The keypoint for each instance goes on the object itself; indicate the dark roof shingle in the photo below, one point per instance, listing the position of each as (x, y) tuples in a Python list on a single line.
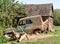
[(39, 9)]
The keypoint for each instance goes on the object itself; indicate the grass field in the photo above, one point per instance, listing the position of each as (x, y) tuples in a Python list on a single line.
[(49, 40)]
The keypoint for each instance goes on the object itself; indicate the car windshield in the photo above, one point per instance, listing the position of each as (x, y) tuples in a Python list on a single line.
[(23, 22)]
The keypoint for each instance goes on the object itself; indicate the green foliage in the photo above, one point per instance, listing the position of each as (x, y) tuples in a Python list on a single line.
[(1, 31), (8, 10), (2, 39), (57, 17)]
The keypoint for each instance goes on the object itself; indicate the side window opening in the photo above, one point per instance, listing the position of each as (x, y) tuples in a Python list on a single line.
[(21, 23), (28, 21)]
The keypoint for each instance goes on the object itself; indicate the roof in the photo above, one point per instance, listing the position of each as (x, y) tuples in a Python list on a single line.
[(39, 9)]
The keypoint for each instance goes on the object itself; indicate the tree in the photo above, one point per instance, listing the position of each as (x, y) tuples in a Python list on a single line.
[(56, 17), (8, 10)]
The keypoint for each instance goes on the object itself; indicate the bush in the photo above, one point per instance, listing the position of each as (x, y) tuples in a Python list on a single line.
[(1, 31), (57, 17), (3, 39)]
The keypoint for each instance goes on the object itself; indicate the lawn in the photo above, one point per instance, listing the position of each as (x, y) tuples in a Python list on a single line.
[(57, 27), (49, 40)]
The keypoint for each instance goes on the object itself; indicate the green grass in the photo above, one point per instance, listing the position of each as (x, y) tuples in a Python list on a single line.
[(57, 27), (50, 40)]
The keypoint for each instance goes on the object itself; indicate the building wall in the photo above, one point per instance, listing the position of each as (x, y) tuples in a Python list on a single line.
[(51, 26)]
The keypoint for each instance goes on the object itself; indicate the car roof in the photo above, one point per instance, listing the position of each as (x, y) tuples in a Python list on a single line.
[(30, 17)]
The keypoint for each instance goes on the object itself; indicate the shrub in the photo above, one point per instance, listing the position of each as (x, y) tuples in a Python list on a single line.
[(3, 39)]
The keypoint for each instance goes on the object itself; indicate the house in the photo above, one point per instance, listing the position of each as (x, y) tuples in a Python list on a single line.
[(45, 10)]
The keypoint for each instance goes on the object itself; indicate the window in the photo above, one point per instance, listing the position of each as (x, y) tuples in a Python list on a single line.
[(28, 21)]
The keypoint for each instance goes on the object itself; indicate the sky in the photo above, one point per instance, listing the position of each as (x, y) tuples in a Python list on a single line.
[(56, 3)]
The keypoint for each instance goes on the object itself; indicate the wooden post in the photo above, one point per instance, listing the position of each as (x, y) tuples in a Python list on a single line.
[(51, 27)]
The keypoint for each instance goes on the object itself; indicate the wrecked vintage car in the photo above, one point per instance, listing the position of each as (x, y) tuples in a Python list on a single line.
[(31, 24), (27, 25)]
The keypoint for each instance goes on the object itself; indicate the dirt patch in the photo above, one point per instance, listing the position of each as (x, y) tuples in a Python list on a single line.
[(34, 37)]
